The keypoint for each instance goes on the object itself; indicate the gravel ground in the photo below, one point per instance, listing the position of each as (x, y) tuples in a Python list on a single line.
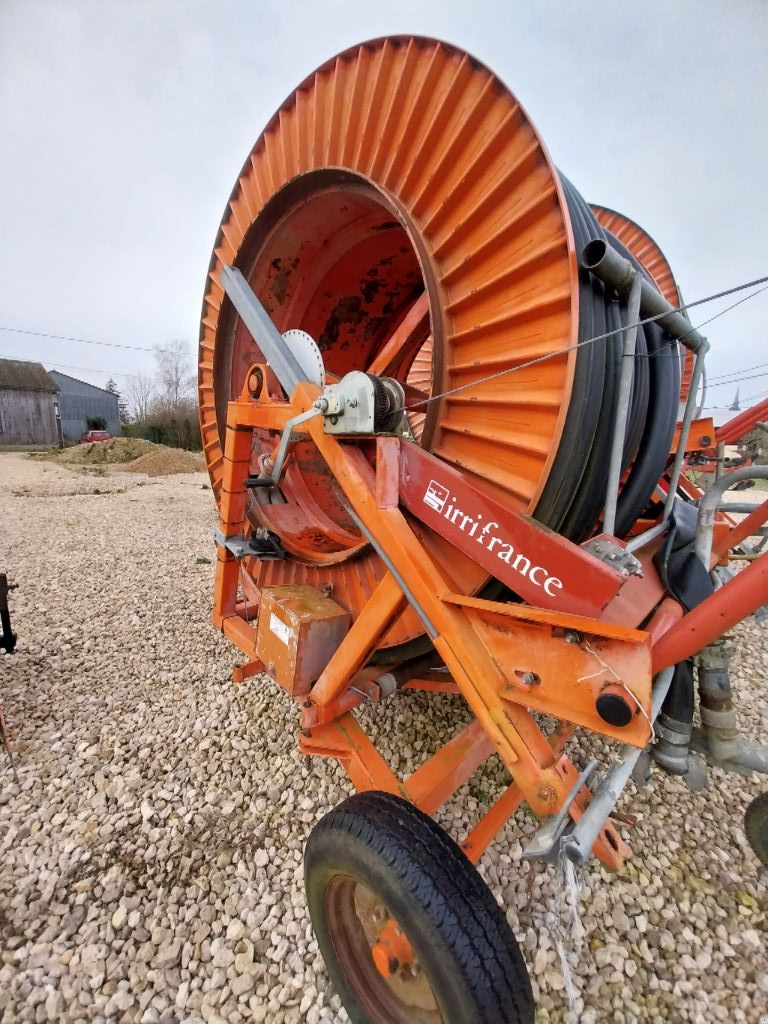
[(151, 851)]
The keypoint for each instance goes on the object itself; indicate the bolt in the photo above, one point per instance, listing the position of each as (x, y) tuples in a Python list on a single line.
[(530, 678), (352, 403), (572, 637), (378, 914)]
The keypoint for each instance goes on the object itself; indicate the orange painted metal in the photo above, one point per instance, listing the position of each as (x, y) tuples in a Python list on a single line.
[(392, 950), (401, 174), (344, 740), (748, 527), (740, 425), (471, 654), (563, 665), (731, 603), (299, 629), (543, 568), (701, 436), (385, 605), (480, 837), (440, 776)]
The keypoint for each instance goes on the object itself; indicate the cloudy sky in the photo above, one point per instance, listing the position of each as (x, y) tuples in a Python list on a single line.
[(123, 127)]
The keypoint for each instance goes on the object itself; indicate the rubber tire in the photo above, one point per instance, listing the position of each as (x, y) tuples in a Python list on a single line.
[(458, 932), (756, 827)]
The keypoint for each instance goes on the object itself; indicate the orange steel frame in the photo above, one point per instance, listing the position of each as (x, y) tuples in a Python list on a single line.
[(505, 659)]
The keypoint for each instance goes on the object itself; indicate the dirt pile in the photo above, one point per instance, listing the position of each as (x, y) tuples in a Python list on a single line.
[(117, 451), (162, 461)]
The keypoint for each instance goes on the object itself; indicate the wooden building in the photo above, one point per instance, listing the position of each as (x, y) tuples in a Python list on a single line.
[(28, 404)]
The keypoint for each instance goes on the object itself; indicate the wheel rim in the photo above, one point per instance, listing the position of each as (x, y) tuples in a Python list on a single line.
[(356, 918)]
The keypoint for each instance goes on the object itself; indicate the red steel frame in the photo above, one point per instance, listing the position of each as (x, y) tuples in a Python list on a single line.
[(555, 654)]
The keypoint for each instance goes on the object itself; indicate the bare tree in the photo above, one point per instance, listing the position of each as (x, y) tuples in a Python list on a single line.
[(140, 393), (175, 376)]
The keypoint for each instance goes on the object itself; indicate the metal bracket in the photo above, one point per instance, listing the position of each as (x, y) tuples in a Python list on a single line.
[(613, 554), (261, 544), (545, 845)]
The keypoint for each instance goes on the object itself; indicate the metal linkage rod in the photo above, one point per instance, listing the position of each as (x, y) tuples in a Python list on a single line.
[(578, 844), (263, 330)]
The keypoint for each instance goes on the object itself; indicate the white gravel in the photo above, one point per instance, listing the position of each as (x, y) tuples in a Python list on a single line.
[(151, 853)]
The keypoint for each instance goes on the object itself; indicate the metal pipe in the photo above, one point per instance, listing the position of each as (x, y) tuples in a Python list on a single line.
[(602, 260), (263, 330), (647, 535), (734, 601), (577, 844), (739, 508), (709, 503), (719, 460), (685, 428), (622, 407)]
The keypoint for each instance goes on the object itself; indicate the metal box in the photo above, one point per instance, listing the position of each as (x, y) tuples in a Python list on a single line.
[(298, 631)]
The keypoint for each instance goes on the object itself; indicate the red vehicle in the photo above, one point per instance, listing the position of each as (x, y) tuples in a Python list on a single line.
[(95, 435)]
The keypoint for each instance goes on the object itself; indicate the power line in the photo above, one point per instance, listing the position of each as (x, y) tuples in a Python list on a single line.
[(737, 380), (83, 341), (746, 369)]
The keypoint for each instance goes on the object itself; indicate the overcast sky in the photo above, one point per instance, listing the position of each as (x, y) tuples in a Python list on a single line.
[(123, 126)]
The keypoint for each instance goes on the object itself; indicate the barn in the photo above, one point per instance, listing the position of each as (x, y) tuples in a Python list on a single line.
[(28, 404), (80, 402)]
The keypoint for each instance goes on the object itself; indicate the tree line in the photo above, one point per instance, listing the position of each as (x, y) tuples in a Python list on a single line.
[(163, 408)]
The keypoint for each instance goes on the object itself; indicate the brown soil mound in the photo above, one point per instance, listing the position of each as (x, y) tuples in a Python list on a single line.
[(116, 451), (165, 461)]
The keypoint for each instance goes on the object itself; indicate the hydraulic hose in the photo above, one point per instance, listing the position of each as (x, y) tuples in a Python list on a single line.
[(575, 493)]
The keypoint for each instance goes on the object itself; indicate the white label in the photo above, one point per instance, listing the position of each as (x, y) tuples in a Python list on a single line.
[(280, 629), (436, 496)]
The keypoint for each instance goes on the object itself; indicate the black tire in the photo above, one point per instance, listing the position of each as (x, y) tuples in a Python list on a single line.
[(460, 937), (756, 827)]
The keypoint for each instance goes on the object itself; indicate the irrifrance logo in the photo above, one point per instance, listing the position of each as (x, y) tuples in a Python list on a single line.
[(440, 500)]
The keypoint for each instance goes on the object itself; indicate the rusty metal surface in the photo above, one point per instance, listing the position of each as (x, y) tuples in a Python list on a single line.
[(298, 631)]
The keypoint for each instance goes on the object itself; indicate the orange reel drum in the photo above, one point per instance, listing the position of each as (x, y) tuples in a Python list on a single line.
[(400, 167)]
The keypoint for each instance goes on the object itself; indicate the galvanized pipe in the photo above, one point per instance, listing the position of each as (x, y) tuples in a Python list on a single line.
[(577, 844), (623, 403), (708, 506), (685, 428), (602, 260)]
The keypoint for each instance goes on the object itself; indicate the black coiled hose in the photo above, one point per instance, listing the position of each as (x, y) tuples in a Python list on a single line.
[(573, 498)]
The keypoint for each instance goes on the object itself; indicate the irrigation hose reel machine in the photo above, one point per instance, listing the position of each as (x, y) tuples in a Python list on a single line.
[(439, 401)]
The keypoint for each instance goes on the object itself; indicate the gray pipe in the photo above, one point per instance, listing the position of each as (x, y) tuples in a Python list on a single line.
[(622, 406), (602, 260), (708, 506)]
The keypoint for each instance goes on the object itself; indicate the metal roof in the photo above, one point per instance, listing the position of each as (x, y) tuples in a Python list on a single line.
[(19, 375)]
